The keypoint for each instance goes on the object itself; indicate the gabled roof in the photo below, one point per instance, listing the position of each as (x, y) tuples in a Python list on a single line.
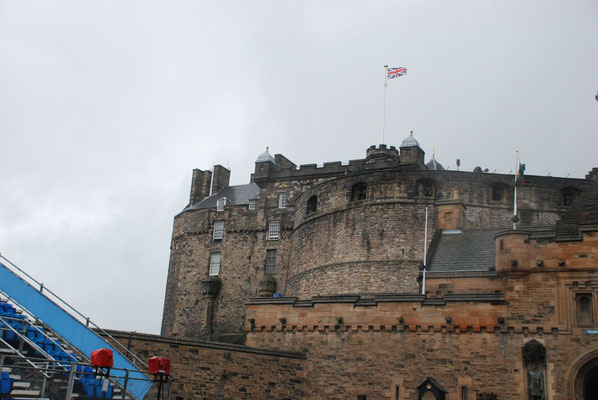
[(235, 195)]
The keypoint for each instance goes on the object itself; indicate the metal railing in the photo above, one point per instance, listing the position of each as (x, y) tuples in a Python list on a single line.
[(77, 315), (70, 379)]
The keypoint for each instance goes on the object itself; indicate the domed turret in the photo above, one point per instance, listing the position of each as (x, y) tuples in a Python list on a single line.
[(266, 156), (412, 155), (434, 165), (410, 141)]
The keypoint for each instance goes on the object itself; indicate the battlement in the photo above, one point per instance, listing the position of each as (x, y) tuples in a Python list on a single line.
[(381, 150)]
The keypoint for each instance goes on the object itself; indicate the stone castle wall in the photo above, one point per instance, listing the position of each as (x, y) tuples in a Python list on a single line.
[(369, 246), (219, 371)]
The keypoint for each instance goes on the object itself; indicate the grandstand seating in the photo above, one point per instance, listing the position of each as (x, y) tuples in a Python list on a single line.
[(38, 343)]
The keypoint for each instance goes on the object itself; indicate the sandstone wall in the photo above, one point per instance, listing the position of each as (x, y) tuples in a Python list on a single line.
[(219, 371)]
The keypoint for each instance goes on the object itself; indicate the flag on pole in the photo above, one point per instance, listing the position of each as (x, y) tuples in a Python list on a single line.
[(395, 72), (519, 175)]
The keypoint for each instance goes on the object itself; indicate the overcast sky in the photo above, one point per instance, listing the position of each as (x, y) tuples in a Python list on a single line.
[(107, 106)]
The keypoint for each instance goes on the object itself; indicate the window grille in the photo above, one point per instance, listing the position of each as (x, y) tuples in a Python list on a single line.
[(271, 261), (218, 230), (215, 259), (282, 200), (251, 205), (273, 230), (220, 203)]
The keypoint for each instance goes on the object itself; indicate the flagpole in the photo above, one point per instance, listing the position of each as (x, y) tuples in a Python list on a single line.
[(515, 195), (384, 109)]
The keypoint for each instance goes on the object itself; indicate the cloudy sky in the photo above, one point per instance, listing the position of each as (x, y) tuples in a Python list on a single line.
[(107, 106)]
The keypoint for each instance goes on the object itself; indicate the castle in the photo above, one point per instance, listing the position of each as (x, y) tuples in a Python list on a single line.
[(393, 278)]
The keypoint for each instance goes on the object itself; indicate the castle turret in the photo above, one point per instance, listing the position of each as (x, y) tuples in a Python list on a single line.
[(381, 157), (412, 155), (263, 165)]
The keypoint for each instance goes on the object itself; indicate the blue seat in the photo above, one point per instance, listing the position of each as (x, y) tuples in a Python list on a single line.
[(6, 383), (90, 390)]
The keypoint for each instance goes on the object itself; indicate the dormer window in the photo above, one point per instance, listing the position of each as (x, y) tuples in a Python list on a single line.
[(359, 191), (251, 205), (282, 200), (220, 203)]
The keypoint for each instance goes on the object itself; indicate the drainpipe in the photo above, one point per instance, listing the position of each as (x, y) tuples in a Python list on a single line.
[(425, 253)]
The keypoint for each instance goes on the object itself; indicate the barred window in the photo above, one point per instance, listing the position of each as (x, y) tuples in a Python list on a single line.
[(270, 261), (218, 230), (273, 230), (215, 259), (220, 203), (282, 200), (251, 205)]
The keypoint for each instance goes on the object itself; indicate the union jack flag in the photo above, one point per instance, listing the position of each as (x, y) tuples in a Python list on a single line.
[(395, 72)]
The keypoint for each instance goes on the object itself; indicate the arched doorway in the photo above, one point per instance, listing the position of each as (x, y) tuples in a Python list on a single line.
[(585, 377), (590, 385)]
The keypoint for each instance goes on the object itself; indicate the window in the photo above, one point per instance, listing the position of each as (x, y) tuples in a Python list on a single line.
[(220, 203), (270, 261), (498, 191), (584, 309), (570, 194), (215, 259), (273, 230), (218, 230), (282, 200), (463, 393), (251, 205), (428, 189), (425, 188), (312, 205), (359, 191)]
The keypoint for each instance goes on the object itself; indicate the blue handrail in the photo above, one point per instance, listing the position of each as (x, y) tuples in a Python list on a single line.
[(69, 328)]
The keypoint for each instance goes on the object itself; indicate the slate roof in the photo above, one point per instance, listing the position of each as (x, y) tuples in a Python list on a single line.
[(434, 165), (266, 156), (468, 251), (235, 195), (410, 141), (582, 215)]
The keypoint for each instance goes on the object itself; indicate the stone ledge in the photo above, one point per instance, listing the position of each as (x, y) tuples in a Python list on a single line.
[(381, 298), (209, 345)]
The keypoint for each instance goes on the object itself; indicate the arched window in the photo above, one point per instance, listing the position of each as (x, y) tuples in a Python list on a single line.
[(584, 309), (359, 191), (312, 204)]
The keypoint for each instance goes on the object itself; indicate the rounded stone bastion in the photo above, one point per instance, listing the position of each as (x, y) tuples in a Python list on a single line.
[(362, 233)]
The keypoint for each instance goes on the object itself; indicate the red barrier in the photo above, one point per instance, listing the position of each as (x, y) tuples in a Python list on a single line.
[(102, 358), (159, 365)]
